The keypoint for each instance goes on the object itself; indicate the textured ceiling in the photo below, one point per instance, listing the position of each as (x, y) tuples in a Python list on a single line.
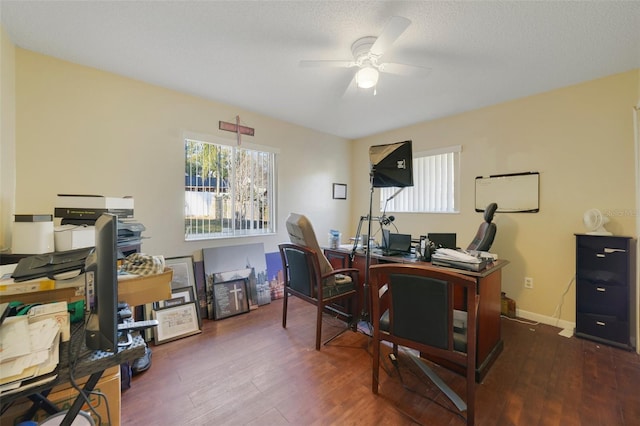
[(247, 53)]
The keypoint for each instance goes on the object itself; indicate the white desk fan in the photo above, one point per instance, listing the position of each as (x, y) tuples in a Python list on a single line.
[(594, 221)]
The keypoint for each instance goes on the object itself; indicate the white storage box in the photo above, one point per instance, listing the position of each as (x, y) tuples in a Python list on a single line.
[(70, 237), (32, 234)]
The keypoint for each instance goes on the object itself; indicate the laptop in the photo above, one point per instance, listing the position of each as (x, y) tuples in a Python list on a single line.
[(443, 240), (398, 244), (384, 244)]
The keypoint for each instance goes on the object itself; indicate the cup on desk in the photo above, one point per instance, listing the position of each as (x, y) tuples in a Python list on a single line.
[(334, 239)]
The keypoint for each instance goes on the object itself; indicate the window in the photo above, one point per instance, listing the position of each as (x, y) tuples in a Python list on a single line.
[(436, 177), (229, 190)]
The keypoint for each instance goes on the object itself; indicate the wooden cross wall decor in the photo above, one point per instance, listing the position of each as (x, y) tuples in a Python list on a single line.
[(236, 128)]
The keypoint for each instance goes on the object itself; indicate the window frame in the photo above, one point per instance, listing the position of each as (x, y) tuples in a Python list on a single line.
[(405, 200), (233, 232)]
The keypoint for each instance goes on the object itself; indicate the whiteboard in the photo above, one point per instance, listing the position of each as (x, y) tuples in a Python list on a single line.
[(516, 192)]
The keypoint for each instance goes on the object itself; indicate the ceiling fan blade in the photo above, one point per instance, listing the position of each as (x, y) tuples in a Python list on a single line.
[(394, 28), (404, 69), (351, 88), (327, 64)]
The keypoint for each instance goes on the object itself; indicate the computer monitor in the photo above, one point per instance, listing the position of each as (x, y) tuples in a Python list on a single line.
[(399, 243), (101, 279), (443, 240)]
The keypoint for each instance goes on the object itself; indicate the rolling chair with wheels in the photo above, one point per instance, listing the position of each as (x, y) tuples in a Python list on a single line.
[(486, 231)]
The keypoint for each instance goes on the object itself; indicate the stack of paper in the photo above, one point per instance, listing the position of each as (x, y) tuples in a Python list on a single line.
[(25, 361), (458, 259)]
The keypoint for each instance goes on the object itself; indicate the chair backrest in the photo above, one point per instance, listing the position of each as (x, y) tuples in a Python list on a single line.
[(302, 271), (301, 232), (420, 303), (486, 231)]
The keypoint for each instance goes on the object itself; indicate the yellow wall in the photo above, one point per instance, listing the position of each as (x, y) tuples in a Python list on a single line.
[(7, 136), (579, 138), (81, 130)]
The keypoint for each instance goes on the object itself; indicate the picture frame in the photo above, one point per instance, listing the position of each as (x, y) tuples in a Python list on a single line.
[(339, 191), (180, 296), (176, 322), (182, 272), (185, 295), (230, 298)]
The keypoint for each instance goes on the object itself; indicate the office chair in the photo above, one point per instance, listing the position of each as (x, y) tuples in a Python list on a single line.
[(486, 231), (413, 307), (309, 276)]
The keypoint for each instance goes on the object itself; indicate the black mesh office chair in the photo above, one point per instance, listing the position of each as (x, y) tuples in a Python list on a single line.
[(486, 231), (413, 307)]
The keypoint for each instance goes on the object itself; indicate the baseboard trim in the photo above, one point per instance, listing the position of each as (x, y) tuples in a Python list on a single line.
[(567, 326)]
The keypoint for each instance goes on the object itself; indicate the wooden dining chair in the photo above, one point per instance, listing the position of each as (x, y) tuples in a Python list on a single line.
[(413, 307)]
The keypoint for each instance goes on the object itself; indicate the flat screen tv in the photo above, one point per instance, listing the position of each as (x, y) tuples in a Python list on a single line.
[(101, 274), (392, 165)]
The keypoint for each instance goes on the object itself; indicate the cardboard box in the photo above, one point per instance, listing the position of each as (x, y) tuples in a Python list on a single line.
[(57, 295), (64, 395), (138, 290)]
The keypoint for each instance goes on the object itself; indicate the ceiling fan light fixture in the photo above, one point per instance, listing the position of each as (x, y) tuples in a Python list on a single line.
[(367, 77)]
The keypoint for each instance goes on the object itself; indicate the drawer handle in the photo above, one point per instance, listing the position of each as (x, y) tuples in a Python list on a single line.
[(600, 323), (602, 289), (614, 250)]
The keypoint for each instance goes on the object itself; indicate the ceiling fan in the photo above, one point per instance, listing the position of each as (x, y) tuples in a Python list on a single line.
[(367, 55)]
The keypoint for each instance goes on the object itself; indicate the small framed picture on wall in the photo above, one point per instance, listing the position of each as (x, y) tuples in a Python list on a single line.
[(339, 191)]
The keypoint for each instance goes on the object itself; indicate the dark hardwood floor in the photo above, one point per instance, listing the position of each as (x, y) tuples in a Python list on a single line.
[(248, 370)]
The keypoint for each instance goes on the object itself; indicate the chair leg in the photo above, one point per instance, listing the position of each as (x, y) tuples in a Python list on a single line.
[(376, 365), (284, 309), (319, 325)]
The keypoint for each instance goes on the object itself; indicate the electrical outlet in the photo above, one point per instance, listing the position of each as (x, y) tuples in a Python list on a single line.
[(528, 282)]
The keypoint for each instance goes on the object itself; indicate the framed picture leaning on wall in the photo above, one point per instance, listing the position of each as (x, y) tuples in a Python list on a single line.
[(176, 322)]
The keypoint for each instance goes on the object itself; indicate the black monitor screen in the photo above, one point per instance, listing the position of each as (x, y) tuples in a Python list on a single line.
[(101, 274), (392, 165), (400, 242), (443, 240)]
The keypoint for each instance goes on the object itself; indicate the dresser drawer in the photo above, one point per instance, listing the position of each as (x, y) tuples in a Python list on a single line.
[(601, 299), (604, 327), (606, 255)]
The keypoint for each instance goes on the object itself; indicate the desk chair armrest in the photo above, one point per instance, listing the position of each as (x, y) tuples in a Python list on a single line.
[(343, 271)]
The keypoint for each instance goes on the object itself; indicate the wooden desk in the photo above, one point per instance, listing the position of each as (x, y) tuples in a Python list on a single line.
[(489, 284)]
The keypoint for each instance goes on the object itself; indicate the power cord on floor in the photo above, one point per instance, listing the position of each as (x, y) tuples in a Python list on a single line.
[(520, 320), (557, 313)]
